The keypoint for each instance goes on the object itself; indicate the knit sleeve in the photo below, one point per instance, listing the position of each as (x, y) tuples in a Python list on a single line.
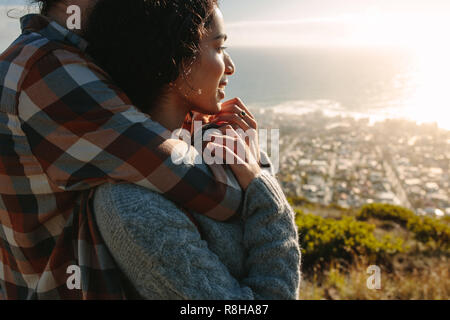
[(162, 253), (271, 240), (159, 249)]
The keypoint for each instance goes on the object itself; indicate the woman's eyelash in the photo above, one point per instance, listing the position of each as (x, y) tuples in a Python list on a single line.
[(223, 48)]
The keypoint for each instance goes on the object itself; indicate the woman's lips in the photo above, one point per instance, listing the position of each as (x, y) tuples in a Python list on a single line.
[(221, 93), (221, 89)]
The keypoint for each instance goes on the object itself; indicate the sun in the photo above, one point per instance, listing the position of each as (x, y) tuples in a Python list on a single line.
[(430, 102), (428, 81)]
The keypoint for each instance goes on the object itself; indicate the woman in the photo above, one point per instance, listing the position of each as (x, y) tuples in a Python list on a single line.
[(177, 66)]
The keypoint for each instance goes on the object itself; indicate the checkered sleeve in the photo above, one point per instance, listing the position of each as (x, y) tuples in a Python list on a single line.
[(84, 131)]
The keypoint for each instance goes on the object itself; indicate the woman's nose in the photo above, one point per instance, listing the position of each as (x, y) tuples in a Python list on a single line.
[(229, 66)]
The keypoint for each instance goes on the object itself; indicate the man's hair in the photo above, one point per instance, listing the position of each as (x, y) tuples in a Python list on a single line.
[(45, 5), (146, 44)]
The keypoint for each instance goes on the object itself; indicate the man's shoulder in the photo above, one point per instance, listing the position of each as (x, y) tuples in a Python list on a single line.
[(30, 48), (33, 51)]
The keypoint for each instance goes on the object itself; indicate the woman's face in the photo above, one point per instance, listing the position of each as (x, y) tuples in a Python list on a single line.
[(202, 85)]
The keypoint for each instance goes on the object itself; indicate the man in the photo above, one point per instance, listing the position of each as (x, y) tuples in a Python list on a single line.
[(65, 128)]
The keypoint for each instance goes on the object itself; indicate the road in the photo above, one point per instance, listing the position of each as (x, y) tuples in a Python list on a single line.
[(394, 180)]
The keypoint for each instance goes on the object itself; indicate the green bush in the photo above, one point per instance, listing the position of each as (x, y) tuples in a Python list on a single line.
[(325, 239), (386, 212), (297, 201), (446, 219), (430, 231)]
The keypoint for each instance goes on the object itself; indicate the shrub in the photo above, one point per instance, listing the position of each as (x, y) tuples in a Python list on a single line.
[(325, 239), (430, 231), (386, 212), (297, 201), (446, 219)]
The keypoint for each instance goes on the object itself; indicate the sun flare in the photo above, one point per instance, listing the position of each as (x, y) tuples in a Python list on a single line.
[(427, 84)]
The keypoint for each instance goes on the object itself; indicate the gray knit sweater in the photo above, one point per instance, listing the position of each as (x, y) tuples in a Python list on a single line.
[(254, 255)]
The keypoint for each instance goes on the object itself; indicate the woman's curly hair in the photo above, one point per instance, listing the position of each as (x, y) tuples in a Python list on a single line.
[(145, 44)]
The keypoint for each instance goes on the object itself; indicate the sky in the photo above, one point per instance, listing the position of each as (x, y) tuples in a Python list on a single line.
[(336, 22), (278, 23)]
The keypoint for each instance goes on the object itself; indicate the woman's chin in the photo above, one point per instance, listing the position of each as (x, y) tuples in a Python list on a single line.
[(217, 108), (214, 108)]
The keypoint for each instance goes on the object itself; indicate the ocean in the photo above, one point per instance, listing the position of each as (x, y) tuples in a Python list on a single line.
[(375, 83)]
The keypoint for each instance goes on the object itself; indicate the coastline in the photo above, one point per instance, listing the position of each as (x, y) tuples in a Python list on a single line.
[(333, 109)]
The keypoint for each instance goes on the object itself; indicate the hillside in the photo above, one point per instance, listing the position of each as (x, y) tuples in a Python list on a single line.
[(339, 245)]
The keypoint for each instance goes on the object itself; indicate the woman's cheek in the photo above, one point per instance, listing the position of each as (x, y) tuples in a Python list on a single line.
[(221, 66), (217, 64)]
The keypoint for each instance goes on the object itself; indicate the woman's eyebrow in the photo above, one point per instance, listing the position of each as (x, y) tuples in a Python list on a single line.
[(221, 36)]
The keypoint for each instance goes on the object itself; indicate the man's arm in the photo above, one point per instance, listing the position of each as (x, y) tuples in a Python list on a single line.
[(84, 132)]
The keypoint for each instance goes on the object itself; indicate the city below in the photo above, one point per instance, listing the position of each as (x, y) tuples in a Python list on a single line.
[(349, 162)]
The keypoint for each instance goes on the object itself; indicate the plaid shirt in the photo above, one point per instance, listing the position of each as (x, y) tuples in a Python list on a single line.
[(64, 129)]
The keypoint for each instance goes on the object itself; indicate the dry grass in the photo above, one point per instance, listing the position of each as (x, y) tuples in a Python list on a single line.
[(428, 279), (421, 272)]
